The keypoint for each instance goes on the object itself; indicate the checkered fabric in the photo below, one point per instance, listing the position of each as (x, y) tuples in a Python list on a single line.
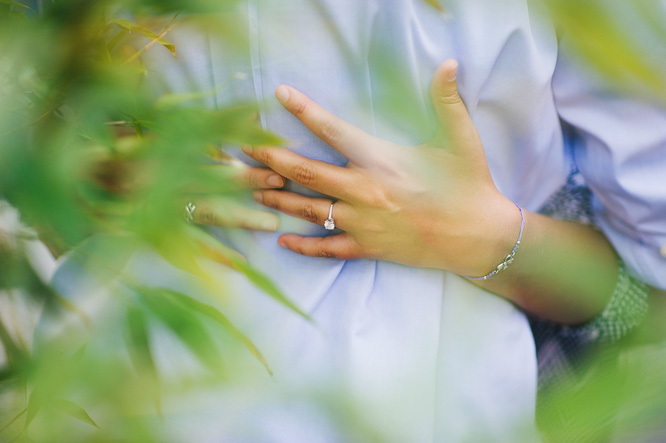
[(562, 350)]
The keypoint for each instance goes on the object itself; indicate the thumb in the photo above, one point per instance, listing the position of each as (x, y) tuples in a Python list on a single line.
[(449, 107)]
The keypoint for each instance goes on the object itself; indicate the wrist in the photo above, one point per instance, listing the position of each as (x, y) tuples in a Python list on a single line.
[(495, 237)]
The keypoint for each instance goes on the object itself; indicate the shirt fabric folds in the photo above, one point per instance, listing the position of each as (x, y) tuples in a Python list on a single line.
[(420, 355)]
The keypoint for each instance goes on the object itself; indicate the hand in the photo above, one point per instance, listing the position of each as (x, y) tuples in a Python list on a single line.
[(212, 188), (433, 205), (227, 212)]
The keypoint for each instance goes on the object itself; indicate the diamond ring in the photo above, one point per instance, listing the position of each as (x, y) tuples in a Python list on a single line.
[(189, 212), (329, 224)]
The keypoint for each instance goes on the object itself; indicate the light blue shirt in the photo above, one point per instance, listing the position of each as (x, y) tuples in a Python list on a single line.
[(422, 355)]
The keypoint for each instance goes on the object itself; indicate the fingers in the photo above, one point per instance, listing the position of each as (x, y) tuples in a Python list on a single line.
[(449, 107), (258, 178), (352, 142), (221, 212), (340, 246), (230, 178), (314, 210), (317, 175)]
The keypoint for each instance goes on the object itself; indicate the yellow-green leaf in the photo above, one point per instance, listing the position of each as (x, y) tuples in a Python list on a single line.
[(216, 315), (75, 411), (140, 353), (131, 26), (186, 326)]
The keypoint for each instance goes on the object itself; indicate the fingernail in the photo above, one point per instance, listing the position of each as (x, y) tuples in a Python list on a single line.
[(452, 71), (247, 149), (258, 196), (275, 180), (268, 225), (282, 243), (282, 94)]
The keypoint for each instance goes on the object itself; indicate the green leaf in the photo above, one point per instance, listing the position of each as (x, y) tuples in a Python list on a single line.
[(138, 339), (16, 417), (216, 315), (186, 326), (593, 30), (173, 100), (254, 275), (140, 352), (35, 403), (237, 125), (75, 411), (7, 373), (131, 26), (266, 285), (15, 353), (435, 4), (116, 39), (19, 18), (180, 253), (14, 3)]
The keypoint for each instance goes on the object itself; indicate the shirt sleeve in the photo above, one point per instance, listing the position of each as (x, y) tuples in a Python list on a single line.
[(619, 145)]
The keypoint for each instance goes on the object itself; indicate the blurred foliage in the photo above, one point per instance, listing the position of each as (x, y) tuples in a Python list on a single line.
[(624, 41), (100, 167)]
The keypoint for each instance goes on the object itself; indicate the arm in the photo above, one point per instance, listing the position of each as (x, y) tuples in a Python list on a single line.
[(564, 271), (436, 206)]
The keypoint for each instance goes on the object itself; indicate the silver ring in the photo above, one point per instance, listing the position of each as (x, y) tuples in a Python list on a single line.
[(189, 212), (329, 224)]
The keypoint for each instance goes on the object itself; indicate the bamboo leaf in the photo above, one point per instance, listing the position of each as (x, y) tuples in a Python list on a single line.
[(131, 26), (19, 17), (75, 411), (71, 307), (212, 248), (7, 373), (172, 100), (35, 403), (265, 284), (16, 417), (186, 326), (435, 4), (140, 352), (15, 353), (600, 42), (139, 341), (237, 125), (181, 254), (116, 39), (14, 3), (254, 275), (221, 319)]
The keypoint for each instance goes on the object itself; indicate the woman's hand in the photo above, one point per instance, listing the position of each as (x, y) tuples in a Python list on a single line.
[(225, 211), (433, 205), (215, 196)]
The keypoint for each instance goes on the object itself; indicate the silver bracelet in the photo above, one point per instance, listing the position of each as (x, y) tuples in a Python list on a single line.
[(509, 258)]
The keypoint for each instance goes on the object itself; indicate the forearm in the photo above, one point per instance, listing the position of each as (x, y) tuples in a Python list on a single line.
[(563, 271)]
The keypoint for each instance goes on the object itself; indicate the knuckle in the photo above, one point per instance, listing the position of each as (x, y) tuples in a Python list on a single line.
[(309, 214), (300, 108), (304, 174), (330, 131), (207, 217), (449, 98), (251, 178), (271, 200), (322, 252), (263, 155), (377, 198)]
